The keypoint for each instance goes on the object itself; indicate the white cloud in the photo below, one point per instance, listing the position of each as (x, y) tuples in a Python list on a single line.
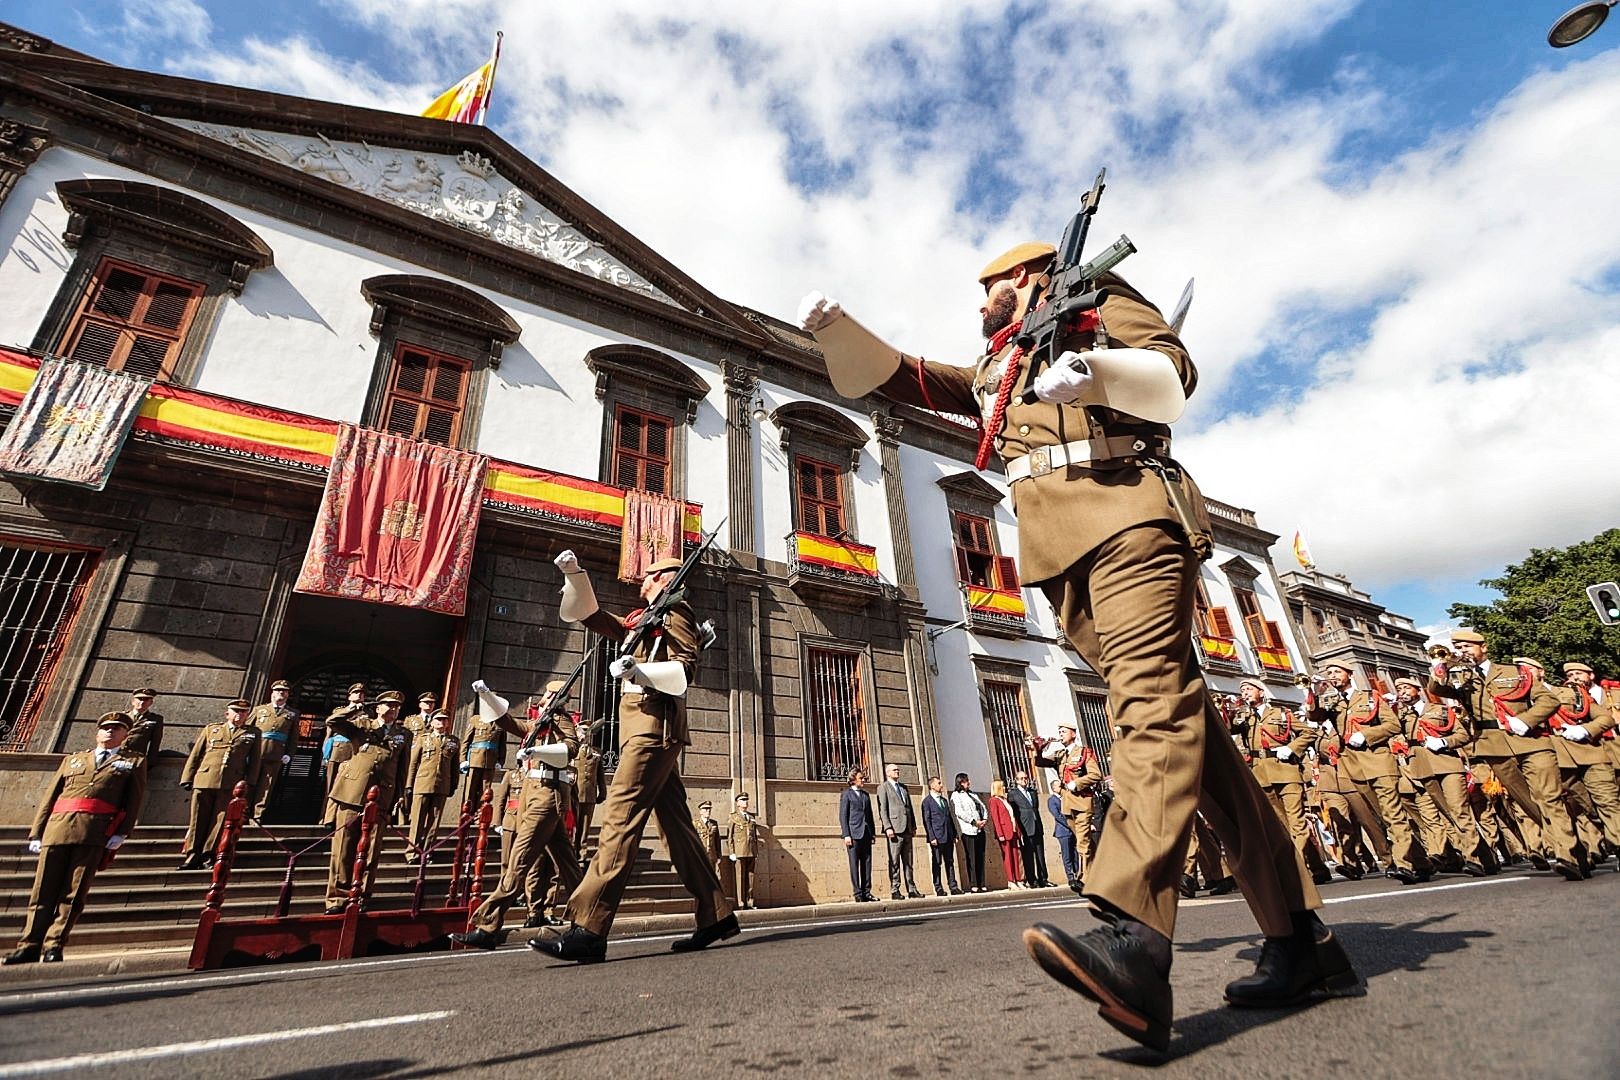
[(149, 24), (1456, 422)]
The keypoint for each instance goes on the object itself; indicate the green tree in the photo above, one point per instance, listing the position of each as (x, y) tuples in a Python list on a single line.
[(1544, 612)]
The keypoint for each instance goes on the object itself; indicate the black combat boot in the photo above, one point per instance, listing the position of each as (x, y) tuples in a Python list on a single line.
[(1123, 966), (27, 954), (1292, 969), (705, 936), (477, 939)]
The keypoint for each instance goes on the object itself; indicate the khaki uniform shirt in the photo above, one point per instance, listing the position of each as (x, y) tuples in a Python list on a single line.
[(1065, 514), (742, 835), (588, 774), (1076, 764), (1574, 755), (433, 768), (1268, 730), (145, 736), (1372, 716), (222, 755), (278, 728), (651, 712), (381, 757), (1478, 695), (416, 724), (1329, 748), (484, 746), (121, 782), (709, 833)]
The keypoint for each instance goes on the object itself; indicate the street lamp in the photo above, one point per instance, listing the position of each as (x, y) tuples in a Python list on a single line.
[(1579, 23)]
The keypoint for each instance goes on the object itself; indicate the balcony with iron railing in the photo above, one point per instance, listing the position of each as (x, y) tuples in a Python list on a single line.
[(835, 570)]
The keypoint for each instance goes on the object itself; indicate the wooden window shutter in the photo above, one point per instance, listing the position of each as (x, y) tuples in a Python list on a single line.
[(1006, 573), (641, 451), (1220, 623), (1274, 637), (132, 320), (426, 395)]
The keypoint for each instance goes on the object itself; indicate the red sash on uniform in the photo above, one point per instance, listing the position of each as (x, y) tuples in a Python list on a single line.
[(1428, 730), (1071, 772), (1267, 742), (1520, 692), (83, 806), (1353, 723)]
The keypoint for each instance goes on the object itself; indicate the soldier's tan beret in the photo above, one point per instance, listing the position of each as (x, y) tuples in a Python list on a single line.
[(1256, 683), (1017, 255), (1340, 664), (1537, 664), (1468, 637), (1067, 724), (1413, 683), (114, 718), (1576, 665), (281, 684), (357, 688), (143, 691), (555, 686), (241, 704), (664, 564), (391, 697)]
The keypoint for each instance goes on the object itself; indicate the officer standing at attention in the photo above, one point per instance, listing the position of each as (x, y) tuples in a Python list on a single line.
[(1111, 530), (653, 733), (430, 778), (87, 811), (145, 726), (708, 831), (483, 751), (225, 752), (278, 733), (382, 750), (341, 748), (742, 837)]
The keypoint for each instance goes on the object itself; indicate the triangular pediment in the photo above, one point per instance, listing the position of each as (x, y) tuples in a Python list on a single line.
[(466, 190)]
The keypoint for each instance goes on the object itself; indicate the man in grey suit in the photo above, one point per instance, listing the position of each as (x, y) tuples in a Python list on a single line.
[(898, 819), (1027, 807)]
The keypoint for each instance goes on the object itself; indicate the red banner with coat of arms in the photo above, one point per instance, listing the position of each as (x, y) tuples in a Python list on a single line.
[(397, 522)]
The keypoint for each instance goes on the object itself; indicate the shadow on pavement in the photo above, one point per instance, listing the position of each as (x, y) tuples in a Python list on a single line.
[(398, 1069), (1375, 948)]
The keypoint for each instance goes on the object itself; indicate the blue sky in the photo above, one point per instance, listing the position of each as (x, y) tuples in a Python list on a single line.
[(1399, 215)]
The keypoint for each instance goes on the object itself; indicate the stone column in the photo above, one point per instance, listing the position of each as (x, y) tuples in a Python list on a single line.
[(888, 428), (742, 383)]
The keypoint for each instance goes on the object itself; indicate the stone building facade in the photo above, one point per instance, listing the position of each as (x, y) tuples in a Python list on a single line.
[(1340, 622)]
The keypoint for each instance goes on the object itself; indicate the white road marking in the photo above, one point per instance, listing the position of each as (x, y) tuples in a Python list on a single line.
[(1408, 891), (206, 1046)]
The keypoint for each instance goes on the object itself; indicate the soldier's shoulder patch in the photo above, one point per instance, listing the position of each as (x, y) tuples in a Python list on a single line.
[(123, 766)]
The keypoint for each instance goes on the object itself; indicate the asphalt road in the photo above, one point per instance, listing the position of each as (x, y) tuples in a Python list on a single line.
[(1465, 979)]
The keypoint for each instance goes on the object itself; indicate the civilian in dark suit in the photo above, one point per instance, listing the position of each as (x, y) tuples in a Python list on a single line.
[(855, 822), (939, 826), (1026, 804), (1064, 834)]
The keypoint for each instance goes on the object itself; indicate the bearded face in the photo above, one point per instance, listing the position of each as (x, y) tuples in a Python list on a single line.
[(999, 307)]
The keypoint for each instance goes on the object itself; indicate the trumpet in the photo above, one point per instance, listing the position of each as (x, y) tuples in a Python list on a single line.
[(1445, 654), (1306, 679)]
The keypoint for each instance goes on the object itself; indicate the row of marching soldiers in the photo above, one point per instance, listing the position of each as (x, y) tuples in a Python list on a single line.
[(1482, 764)]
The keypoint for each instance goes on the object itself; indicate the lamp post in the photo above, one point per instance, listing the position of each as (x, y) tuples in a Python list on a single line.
[(1579, 23)]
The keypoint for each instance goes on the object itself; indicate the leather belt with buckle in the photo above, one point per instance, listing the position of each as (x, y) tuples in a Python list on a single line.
[(1048, 459)]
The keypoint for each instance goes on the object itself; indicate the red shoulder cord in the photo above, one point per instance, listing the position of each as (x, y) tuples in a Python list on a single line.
[(1009, 375), (1353, 722), (1520, 692), (1583, 710), (1436, 731)]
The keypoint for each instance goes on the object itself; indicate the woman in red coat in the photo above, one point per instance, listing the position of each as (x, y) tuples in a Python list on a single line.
[(1005, 825)]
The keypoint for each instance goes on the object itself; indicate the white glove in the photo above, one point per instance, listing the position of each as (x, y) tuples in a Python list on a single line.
[(480, 686), (1435, 743), (566, 561), (1327, 726), (817, 310), (1357, 740), (466, 767), (525, 754), (1074, 786), (621, 667), (1573, 732), (33, 847), (496, 830), (1066, 380), (1517, 726), (285, 758), (734, 858), (1283, 753), (114, 842)]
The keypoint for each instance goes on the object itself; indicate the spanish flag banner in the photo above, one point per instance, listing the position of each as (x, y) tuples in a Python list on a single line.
[(467, 102), (1303, 553)]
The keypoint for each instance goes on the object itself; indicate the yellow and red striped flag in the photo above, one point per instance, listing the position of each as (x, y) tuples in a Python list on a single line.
[(1302, 552), (467, 102)]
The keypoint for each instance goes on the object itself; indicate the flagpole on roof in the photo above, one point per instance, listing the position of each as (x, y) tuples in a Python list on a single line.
[(494, 65)]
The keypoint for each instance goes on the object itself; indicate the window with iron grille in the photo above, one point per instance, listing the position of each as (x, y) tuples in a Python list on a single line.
[(1096, 730), (641, 450), (132, 320), (427, 392), (820, 497), (1009, 727), (40, 590), (977, 561), (602, 704), (835, 713)]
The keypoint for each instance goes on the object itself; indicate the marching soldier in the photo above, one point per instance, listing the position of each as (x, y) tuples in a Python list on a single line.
[(146, 726), (708, 831), (1438, 733), (1079, 774), (1510, 708), (542, 831), (340, 748), (224, 752), (382, 750), (1344, 811), (1111, 530), (1582, 727), (482, 751), (1433, 831), (278, 731), (430, 778), (506, 799), (1276, 744), (1366, 724), (590, 780), (88, 810), (742, 837), (653, 734)]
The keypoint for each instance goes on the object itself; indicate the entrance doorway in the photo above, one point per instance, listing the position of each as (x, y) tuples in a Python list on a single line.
[(330, 644)]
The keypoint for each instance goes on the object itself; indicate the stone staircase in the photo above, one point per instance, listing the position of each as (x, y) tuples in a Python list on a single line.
[(141, 899)]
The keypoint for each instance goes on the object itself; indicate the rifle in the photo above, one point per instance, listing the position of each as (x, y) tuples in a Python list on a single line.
[(1071, 300), (674, 593), (559, 702)]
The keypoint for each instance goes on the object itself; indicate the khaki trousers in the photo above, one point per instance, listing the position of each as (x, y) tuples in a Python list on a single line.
[(745, 880), (1425, 821), (1603, 790), (61, 882), (1532, 783), (1383, 792), (538, 835), (345, 847), (425, 814), (646, 783), (1351, 851), (1288, 800), (1127, 608), (1450, 793), (1085, 850), (207, 819)]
